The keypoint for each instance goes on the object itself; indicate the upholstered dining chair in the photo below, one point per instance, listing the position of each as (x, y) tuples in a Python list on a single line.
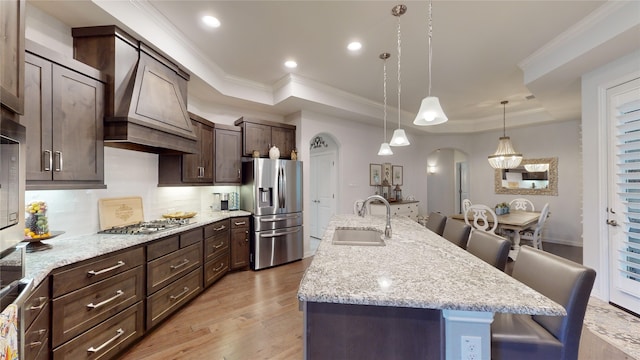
[(456, 232), (481, 217), (521, 204), (491, 248), (525, 337), (436, 222), (535, 234)]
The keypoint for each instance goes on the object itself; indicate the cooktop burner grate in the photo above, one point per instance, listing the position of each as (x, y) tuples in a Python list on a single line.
[(146, 227)]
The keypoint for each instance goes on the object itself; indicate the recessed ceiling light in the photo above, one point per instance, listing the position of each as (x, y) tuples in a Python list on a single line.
[(291, 64), (211, 21), (354, 46)]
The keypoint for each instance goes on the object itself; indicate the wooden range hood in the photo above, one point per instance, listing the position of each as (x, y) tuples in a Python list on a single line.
[(146, 97)]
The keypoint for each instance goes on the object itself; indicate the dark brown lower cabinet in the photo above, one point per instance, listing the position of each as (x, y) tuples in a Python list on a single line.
[(37, 317), (216, 251), (240, 243)]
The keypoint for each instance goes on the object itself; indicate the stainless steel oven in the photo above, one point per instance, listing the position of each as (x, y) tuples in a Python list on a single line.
[(14, 290), (12, 181)]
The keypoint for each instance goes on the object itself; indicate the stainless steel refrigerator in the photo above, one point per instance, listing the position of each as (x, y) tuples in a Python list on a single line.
[(272, 191)]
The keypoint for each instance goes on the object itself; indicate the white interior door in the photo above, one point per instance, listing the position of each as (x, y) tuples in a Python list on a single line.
[(323, 188), (623, 106)]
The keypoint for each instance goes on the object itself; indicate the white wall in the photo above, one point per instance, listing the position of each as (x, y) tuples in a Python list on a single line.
[(594, 230)]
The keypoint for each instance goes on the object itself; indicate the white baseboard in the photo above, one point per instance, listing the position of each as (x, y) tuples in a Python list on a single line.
[(562, 242)]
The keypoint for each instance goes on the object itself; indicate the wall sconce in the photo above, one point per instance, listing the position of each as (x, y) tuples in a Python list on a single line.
[(431, 169)]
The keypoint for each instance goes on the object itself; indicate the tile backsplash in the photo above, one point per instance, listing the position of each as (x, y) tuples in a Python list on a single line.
[(127, 173)]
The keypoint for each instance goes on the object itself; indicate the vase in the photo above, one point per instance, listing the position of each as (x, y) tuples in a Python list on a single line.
[(274, 153)]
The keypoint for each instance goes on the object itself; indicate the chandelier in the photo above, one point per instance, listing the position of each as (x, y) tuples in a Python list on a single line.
[(505, 156), (385, 149)]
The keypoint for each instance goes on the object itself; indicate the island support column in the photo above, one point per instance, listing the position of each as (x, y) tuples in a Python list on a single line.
[(464, 329)]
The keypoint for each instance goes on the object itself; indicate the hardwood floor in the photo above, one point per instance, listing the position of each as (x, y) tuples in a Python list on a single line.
[(246, 315)]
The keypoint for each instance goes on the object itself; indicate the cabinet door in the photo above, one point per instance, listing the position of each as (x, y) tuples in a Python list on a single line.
[(12, 54), (284, 139), (239, 248), (78, 111), (198, 168), (257, 137), (37, 118), (228, 156)]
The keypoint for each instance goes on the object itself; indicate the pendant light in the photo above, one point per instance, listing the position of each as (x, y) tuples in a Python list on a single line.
[(505, 156), (399, 138), (430, 112), (385, 149)]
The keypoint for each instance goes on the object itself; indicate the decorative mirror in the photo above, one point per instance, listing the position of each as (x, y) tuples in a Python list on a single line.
[(532, 177)]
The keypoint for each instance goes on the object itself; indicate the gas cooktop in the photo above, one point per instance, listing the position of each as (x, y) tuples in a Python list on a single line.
[(146, 227)]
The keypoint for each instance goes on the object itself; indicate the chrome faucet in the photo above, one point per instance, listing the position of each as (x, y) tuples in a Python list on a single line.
[(362, 211)]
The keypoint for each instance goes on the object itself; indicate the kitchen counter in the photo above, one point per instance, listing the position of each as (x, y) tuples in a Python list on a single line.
[(417, 269), (70, 250)]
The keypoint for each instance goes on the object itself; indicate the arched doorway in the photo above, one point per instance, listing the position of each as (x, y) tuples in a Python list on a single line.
[(447, 180), (323, 164)]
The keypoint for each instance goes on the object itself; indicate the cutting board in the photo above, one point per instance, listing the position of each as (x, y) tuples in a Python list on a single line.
[(120, 211)]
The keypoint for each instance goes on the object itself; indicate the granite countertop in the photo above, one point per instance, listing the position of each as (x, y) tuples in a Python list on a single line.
[(417, 268), (69, 250)]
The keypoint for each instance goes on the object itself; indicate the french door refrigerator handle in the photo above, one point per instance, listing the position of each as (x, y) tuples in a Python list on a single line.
[(275, 234)]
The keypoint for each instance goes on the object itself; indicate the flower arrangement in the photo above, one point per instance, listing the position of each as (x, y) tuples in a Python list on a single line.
[(502, 208)]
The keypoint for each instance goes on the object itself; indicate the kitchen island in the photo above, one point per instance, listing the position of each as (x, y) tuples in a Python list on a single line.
[(419, 296)]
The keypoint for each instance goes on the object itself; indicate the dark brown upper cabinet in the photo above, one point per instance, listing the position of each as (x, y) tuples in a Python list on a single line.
[(12, 54), (146, 95), (191, 169), (261, 135), (228, 154), (64, 109)]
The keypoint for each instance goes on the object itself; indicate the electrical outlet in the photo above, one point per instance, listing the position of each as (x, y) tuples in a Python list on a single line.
[(471, 348)]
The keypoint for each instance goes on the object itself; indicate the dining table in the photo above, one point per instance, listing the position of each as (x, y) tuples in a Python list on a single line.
[(515, 221)]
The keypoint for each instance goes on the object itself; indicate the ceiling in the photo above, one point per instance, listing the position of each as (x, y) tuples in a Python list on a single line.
[(477, 49)]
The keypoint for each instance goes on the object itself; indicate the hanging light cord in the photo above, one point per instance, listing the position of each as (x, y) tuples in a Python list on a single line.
[(504, 115), (399, 83), (384, 91), (430, 51)]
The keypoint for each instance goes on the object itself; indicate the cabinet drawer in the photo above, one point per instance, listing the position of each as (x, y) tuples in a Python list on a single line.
[(37, 301), (107, 339), (215, 246), (44, 352), (169, 299), (216, 268), (163, 247), (36, 336), (166, 269), (78, 311), (89, 273), (240, 222), (217, 227), (191, 237)]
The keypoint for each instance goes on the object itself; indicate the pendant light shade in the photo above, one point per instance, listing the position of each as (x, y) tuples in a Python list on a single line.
[(399, 137), (505, 156), (385, 150), (430, 112)]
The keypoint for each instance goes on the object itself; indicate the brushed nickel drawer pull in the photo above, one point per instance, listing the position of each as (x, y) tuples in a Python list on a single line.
[(218, 246), (119, 333), (219, 268), (240, 223), (58, 156), (175, 297), (42, 300), (35, 344), (183, 263), (100, 272), (220, 228), (102, 303)]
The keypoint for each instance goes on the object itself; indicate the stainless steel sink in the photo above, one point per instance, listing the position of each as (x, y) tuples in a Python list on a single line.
[(359, 237)]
